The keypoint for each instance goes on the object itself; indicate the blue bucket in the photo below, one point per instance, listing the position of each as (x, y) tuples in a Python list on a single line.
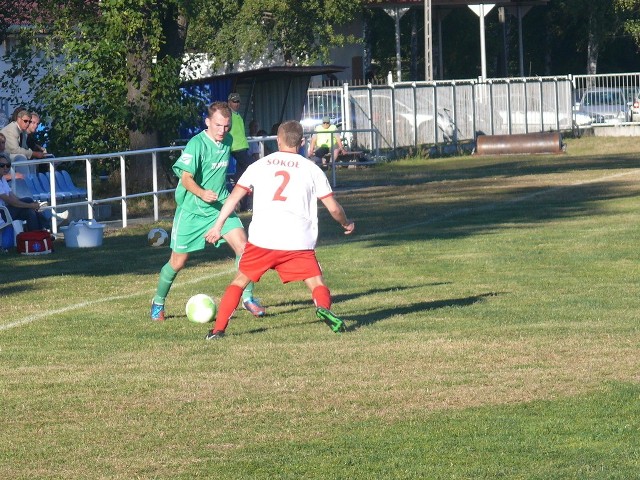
[(8, 237)]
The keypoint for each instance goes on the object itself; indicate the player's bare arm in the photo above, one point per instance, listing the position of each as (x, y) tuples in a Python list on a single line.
[(190, 184), (214, 234), (337, 212)]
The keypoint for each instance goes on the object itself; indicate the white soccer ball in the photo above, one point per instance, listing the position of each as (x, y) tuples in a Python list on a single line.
[(201, 308), (158, 237)]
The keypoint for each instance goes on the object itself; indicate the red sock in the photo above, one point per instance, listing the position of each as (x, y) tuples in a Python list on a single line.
[(228, 305), (322, 297)]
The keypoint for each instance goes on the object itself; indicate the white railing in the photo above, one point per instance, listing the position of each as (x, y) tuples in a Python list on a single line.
[(91, 202)]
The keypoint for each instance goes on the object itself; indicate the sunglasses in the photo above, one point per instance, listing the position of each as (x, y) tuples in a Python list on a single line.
[(27, 121), (5, 165), (235, 101)]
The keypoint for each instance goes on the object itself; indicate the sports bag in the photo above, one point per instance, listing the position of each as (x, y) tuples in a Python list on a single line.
[(37, 242)]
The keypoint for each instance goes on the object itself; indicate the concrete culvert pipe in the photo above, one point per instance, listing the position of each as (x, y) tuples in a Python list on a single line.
[(543, 142)]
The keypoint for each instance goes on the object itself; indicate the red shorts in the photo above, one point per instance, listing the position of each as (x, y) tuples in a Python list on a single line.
[(291, 265)]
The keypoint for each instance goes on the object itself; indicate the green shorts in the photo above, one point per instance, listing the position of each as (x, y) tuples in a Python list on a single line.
[(188, 230)]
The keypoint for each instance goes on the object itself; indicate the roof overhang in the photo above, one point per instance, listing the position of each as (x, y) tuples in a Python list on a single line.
[(269, 73)]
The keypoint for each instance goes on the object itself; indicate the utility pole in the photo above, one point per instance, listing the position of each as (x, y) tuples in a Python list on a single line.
[(428, 43), (397, 13), (481, 11)]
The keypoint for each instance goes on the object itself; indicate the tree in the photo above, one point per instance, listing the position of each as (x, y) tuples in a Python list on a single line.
[(592, 25), (631, 10), (118, 86), (300, 32)]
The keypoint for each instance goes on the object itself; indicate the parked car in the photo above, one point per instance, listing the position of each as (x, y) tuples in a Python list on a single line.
[(605, 105), (531, 113), (328, 104), (581, 119)]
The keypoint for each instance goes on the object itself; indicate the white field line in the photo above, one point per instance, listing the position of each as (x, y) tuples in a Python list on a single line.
[(493, 206), (78, 306), (439, 218)]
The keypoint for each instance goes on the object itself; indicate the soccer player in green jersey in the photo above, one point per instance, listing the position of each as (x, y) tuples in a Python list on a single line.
[(201, 191)]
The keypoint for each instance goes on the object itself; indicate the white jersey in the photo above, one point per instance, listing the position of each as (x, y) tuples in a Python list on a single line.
[(286, 188)]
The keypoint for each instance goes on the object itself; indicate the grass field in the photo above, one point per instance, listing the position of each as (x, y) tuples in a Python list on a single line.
[(493, 322)]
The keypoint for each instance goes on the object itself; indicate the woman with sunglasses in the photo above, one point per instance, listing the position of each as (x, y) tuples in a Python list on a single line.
[(21, 208)]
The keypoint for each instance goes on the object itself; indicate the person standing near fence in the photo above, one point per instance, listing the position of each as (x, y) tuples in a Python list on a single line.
[(240, 145), (201, 191)]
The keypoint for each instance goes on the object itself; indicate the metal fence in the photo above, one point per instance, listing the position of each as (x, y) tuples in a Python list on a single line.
[(396, 116), (89, 204), (628, 83), (608, 99), (430, 113)]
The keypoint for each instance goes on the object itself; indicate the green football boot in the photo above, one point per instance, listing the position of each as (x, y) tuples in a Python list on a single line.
[(335, 324)]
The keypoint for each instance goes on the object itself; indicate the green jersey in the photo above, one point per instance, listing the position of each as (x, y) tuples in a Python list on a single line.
[(237, 133), (325, 137), (207, 160)]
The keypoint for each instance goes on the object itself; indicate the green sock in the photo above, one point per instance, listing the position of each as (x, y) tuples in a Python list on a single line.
[(247, 294), (167, 275)]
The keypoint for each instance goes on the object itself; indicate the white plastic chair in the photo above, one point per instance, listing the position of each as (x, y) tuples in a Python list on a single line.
[(7, 220), (18, 225)]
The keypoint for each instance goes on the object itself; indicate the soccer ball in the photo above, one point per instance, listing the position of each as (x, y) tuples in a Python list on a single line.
[(158, 237), (201, 308)]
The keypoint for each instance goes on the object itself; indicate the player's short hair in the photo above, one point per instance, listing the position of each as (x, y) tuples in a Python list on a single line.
[(291, 133), (222, 107)]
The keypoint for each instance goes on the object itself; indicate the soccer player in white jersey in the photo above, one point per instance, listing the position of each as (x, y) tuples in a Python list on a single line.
[(283, 232)]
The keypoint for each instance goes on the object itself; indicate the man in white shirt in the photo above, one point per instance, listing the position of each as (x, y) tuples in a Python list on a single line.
[(284, 229)]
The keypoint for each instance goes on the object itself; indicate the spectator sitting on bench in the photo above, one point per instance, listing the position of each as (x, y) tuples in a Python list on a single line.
[(325, 138), (23, 208)]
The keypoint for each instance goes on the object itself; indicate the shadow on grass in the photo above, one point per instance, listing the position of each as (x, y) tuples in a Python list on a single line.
[(304, 304), (359, 321), (354, 322)]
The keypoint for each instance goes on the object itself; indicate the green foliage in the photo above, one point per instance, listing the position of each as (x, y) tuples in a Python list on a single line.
[(631, 10), (120, 75), (300, 31), (111, 81)]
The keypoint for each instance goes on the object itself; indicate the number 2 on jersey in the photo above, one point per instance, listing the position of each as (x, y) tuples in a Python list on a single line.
[(278, 197)]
